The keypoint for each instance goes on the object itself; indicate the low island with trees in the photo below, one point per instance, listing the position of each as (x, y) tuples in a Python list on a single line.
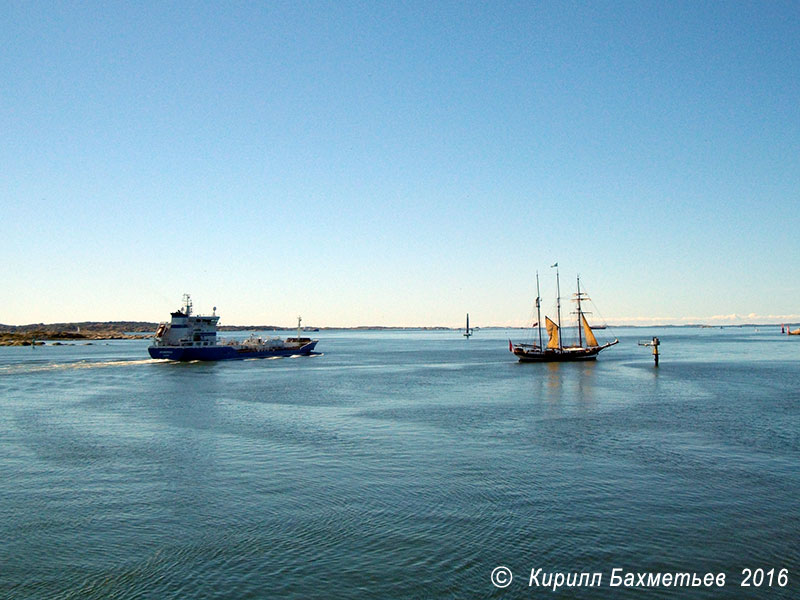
[(37, 333)]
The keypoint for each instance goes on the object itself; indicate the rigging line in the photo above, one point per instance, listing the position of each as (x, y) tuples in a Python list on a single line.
[(530, 325), (603, 319)]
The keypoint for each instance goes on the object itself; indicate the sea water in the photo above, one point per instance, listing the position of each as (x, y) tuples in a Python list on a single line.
[(401, 464)]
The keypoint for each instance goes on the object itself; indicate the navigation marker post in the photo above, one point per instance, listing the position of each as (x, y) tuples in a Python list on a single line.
[(654, 343)]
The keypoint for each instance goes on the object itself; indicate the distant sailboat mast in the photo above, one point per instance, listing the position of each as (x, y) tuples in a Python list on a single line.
[(467, 331)]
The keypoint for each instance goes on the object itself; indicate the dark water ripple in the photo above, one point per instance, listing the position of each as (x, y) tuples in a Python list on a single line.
[(397, 465)]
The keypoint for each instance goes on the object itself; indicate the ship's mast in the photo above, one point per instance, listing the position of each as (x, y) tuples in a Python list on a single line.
[(299, 320), (558, 304), (580, 339), (187, 305), (539, 309)]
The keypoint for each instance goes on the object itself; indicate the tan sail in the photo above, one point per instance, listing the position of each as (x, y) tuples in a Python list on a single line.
[(552, 331), (590, 339)]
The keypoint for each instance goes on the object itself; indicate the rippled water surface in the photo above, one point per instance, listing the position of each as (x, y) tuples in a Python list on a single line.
[(398, 465)]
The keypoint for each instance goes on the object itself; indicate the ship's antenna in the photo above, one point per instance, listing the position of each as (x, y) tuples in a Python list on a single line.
[(187, 305), (299, 320)]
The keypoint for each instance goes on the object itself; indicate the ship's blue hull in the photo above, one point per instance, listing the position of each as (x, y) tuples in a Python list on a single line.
[(189, 353)]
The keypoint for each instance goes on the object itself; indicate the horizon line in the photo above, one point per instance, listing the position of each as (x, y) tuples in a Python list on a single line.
[(650, 322)]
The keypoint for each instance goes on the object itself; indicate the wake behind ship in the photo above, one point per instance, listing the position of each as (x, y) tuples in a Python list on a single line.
[(194, 337)]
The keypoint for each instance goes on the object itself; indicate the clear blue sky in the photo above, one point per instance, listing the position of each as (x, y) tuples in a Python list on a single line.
[(399, 163)]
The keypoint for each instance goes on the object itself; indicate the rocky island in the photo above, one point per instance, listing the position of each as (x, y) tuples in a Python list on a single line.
[(27, 335)]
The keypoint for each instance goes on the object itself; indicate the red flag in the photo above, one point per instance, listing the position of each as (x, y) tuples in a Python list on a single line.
[(510, 347)]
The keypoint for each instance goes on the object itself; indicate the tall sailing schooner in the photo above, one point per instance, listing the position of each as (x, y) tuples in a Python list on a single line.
[(555, 351)]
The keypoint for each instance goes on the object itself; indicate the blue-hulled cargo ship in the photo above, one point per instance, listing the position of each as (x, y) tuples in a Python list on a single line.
[(190, 337)]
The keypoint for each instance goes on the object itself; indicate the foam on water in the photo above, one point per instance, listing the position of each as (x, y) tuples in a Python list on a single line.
[(35, 367)]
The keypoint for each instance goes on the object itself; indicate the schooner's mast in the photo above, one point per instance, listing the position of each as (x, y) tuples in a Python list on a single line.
[(580, 340), (539, 309), (558, 304)]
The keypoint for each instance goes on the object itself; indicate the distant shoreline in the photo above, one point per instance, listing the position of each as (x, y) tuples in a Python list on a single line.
[(25, 335)]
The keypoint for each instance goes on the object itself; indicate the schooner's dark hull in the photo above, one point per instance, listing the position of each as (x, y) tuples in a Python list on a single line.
[(556, 356), (535, 354)]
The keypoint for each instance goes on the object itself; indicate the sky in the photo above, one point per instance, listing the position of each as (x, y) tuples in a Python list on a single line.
[(399, 163)]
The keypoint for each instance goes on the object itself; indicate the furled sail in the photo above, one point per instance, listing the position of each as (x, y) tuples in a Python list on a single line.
[(552, 331), (590, 339)]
